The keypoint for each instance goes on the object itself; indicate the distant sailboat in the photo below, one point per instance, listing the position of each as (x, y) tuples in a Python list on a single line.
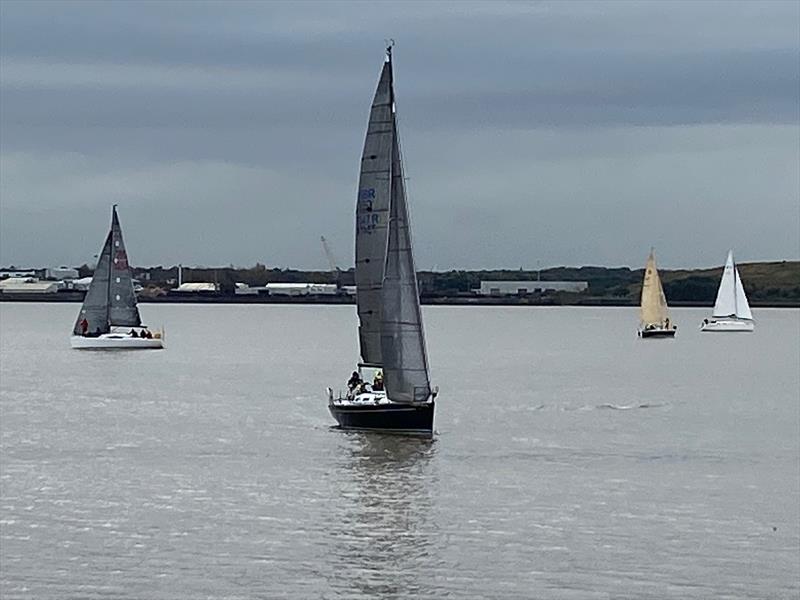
[(654, 312), (109, 314), (731, 310), (391, 337)]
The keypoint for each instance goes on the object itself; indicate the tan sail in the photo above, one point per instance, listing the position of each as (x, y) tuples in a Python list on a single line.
[(654, 310)]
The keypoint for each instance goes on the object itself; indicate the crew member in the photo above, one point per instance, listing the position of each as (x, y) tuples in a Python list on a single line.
[(354, 381), (377, 381)]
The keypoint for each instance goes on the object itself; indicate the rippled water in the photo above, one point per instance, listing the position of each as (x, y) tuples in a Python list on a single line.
[(572, 460)]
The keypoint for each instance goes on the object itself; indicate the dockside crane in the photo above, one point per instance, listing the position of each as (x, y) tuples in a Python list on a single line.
[(332, 262)]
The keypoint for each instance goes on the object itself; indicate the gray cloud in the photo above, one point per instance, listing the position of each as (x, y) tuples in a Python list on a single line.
[(552, 131)]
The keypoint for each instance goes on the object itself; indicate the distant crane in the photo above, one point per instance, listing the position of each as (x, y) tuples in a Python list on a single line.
[(331, 261)]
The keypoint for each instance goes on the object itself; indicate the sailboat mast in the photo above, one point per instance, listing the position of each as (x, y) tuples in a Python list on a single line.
[(735, 283), (110, 263)]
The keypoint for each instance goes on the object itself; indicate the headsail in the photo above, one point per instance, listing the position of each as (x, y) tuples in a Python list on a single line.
[(110, 300), (731, 299), (405, 361), (95, 303), (742, 306), (653, 310), (371, 217)]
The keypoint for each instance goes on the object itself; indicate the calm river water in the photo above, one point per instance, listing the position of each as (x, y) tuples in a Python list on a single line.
[(572, 460)]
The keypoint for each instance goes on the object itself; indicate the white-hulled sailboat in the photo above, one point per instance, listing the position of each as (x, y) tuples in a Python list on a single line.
[(109, 318), (654, 312), (731, 310), (392, 342)]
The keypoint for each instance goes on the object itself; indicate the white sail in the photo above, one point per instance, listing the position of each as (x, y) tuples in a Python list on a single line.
[(653, 308), (405, 361), (731, 299), (371, 218), (110, 300)]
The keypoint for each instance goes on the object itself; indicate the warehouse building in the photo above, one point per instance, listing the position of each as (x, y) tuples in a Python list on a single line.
[(521, 288), (27, 285)]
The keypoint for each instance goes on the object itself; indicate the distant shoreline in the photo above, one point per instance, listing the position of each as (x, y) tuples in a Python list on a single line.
[(71, 297)]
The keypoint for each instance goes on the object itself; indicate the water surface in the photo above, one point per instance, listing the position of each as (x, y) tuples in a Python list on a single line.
[(572, 460)]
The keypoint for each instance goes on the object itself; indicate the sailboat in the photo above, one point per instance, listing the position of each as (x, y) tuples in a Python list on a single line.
[(731, 310), (109, 318), (654, 312), (391, 337)]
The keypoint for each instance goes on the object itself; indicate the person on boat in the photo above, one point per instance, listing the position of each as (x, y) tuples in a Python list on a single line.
[(354, 381), (97, 332), (133, 333), (147, 334), (377, 381), (666, 323), (84, 326)]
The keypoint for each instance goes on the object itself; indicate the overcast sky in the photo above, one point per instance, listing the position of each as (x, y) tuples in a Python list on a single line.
[(564, 133)]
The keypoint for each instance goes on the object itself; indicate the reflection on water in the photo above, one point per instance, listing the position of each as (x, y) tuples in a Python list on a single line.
[(381, 531)]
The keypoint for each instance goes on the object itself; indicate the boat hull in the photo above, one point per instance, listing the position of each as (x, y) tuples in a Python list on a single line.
[(657, 333), (728, 325), (115, 342), (401, 419)]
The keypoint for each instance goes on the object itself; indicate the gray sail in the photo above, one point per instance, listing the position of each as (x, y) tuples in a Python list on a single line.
[(405, 361), (371, 218), (95, 303), (110, 300)]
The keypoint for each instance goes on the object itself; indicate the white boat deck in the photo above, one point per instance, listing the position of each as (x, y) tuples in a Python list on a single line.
[(362, 399)]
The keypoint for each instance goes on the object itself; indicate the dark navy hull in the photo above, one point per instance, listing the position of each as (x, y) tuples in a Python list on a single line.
[(404, 419), (646, 333)]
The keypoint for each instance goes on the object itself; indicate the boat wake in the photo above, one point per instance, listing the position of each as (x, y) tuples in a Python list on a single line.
[(628, 407)]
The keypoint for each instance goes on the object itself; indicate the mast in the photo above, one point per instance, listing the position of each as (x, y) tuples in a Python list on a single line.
[(110, 263), (735, 283)]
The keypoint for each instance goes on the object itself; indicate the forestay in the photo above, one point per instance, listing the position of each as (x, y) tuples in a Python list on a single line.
[(371, 218), (110, 300), (405, 361), (653, 310)]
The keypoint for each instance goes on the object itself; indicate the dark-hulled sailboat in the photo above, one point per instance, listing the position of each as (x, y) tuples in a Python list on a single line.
[(391, 336)]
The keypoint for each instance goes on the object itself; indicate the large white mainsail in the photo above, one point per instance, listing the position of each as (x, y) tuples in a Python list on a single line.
[(405, 360), (372, 207), (653, 309), (731, 298), (110, 300)]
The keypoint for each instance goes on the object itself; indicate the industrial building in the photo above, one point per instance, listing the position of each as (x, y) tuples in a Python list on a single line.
[(24, 273), (200, 287), (27, 285), (301, 289), (521, 288), (61, 273)]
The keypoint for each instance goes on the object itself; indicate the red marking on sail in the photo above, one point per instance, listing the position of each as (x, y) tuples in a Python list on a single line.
[(120, 260)]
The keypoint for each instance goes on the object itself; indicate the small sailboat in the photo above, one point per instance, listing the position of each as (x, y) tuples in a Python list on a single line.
[(654, 312), (392, 342), (109, 318), (731, 310)]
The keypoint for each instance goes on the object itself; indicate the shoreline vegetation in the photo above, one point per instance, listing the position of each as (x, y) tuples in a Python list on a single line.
[(768, 284)]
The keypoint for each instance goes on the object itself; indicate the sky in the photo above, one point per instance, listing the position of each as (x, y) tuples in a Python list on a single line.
[(534, 133)]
